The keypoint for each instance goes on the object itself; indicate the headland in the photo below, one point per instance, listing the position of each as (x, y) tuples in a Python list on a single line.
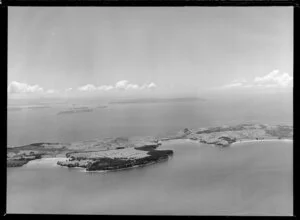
[(122, 152)]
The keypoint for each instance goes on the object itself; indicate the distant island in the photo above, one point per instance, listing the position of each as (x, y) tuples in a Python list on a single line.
[(101, 106), (80, 109), (120, 153), (75, 110), (156, 100), (19, 108)]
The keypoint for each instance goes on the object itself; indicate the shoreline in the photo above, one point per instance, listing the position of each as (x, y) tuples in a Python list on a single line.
[(127, 168), (237, 142), (127, 152), (265, 140), (45, 162), (52, 161)]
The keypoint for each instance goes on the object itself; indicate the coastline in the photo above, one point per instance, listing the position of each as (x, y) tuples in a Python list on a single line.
[(127, 152), (45, 162), (265, 140), (127, 168), (52, 161), (175, 141)]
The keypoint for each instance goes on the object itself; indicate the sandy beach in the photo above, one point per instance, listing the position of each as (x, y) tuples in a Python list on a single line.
[(255, 141), (174, 141), (45, 162)]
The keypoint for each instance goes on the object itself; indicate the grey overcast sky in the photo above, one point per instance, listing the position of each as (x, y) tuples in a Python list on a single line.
[(151, 50)]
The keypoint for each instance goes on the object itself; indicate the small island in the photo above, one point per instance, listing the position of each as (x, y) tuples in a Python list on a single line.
[(81, 109), (75, 110), (122, 152), (29, 107)]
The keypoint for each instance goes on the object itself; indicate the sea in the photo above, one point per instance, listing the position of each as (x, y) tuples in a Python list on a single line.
[(254, 178)]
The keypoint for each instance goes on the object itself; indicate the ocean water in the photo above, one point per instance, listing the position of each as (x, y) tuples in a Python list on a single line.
[(44, 125), (246, 179)]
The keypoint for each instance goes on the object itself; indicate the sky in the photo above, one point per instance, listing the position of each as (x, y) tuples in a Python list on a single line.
[(148, 51)]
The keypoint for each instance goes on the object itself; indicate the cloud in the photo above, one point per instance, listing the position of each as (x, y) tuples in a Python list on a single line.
[(124, 84), (132, 86), (88, 87), (272, 80), (105, 87), (148, 86), (91, 88), (275, 79), (152, 85), (234, 84), (23, 88), (120, 85), (17, 87)]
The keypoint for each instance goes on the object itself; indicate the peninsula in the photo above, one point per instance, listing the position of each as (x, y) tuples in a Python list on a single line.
[(226, 135), (98, 154), (120, 153)]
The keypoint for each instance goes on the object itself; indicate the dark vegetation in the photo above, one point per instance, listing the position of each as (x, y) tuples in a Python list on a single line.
[(122, 163), (20, 161), (75, 164), (116, 164), (106, 163), (23, 154), (146, 148)]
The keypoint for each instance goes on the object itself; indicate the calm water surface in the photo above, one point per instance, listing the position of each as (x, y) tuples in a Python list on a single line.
[(248, 179), (44, 125), (199, 179)]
